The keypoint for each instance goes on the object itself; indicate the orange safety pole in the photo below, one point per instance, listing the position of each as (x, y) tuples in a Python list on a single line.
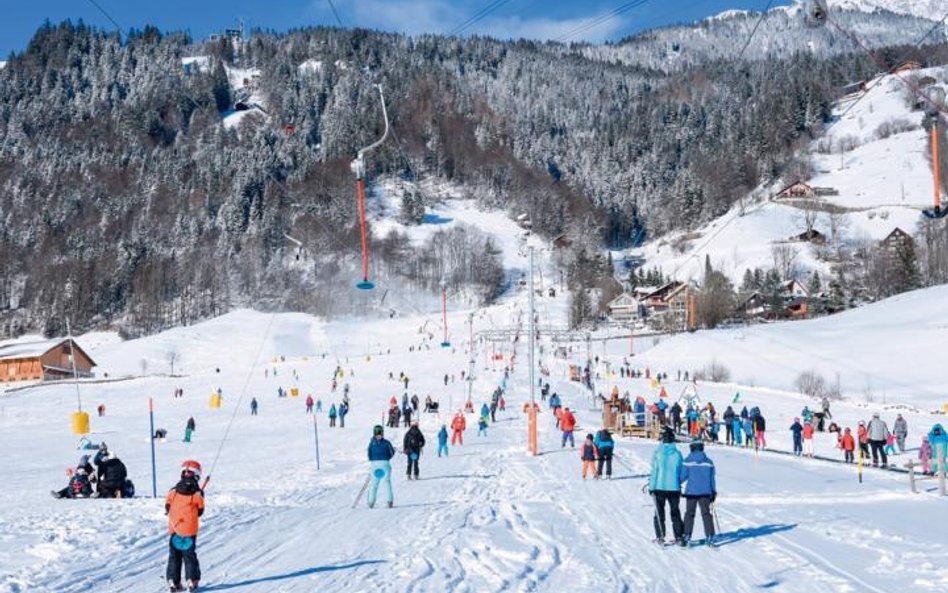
[(935, 162), (532, 428), (360, 190)]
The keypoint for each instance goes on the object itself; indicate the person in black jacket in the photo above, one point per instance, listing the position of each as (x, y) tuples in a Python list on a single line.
[(112, 475), (675, 413), (412, 444), (729, 425)]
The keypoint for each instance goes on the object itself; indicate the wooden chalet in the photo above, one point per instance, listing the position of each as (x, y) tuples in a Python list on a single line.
[(792, 289), (797, 189), (906, 66), (812, 236), (657, 300), (896, 241), (47, 360), (624, 307)]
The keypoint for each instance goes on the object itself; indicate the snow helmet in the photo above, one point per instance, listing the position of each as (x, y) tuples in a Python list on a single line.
[(697, 445), (191, 466), (377, 430), (668, 436)]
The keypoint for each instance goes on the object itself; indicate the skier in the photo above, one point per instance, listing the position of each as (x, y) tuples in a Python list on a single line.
[(589, 453), (457, 427), (406, 414), (443, 441), (502, 403), (664, 485), (412, 444), (797, 429), (737, 428), (253, 407), (445, 379), (319, 406), (748, 432), (862, 435), (878, 433), (900, 428), (332, 415), (343, 410), (189, 429), (848, 444), (567, 425), (485, 410), (605, 445), (808, 439), (309, 404), (184, 506), (380, 455), (101, 410), (111, 475), (760, 427), (938, 440), (675, 413), (729, 425), (925, 455), (697, 472)]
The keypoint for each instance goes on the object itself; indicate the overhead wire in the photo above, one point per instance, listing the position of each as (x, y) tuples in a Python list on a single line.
[(600, 20), (750, 37), (476, 17), (335, 12), (107, 15)]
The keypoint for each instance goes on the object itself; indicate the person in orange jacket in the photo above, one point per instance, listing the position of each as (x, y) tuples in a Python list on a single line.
[(589, 454), (184, 506), (567, 425), (457, 426), (848, 444)]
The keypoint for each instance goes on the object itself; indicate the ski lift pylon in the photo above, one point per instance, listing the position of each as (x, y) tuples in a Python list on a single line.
[(936, 102), (358, 167)]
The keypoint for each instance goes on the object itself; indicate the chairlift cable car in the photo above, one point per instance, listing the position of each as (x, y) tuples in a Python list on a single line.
[(358, 167)]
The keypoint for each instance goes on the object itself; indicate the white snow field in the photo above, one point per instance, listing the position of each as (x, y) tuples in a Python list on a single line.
[(487, 518)]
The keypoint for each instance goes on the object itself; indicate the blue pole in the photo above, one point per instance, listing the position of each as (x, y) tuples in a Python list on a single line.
[(151, 421), (316, 435)]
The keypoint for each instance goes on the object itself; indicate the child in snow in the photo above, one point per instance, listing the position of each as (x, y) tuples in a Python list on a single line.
[(482, 426), (443, 441), (925, 455), (748, 432), (890, 444), (848, 444), (808, 439), (184, 506), (332, 415), (589, 453), (737, 429)]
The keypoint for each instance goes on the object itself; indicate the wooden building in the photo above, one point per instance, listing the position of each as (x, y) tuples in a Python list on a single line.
[(47, 360), (896, 242), (624, 308)]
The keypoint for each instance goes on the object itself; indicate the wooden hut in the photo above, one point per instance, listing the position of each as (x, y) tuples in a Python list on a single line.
[(46, 360)]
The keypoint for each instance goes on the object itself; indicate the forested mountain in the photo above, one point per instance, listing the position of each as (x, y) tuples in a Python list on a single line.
[(125, 201)]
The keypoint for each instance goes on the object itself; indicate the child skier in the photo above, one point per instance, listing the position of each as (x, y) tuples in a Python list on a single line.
[(925, 455), (482, 425), (184, 506), (797, 430), (443, 441), (381, 452), (457, 428), (890, 444), (309, 404), (589, 453), (332, 415), (808, 439), (848, 444)]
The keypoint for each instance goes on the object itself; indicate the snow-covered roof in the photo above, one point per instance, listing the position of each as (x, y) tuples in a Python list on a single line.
[(28, 349)]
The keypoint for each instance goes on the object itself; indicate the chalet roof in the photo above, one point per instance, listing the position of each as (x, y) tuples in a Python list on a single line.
[(624, 299), (665, 290), (34, 349), (896, 232), (797, 182)]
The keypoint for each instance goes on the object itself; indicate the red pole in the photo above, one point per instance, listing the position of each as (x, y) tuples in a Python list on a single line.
[(363, 230)]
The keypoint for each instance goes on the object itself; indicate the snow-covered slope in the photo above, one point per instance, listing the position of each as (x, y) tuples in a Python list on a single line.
[(874, 155), (929, 9)]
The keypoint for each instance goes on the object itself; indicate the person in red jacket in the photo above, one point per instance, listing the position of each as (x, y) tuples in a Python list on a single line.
[(863, 436), (457, 427), (808, 439), (848, 444), (309, 404), (567, 425), (184, 506)]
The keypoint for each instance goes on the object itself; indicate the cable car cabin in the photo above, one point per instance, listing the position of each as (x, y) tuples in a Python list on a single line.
[(936, 212), (47, 360)]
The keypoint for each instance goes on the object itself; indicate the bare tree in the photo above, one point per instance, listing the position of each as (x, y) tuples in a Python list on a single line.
[(171, 357), (838, 222), (785, 258)]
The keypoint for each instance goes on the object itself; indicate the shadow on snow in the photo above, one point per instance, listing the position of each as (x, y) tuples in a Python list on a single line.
[(290, 575), (732, 537)]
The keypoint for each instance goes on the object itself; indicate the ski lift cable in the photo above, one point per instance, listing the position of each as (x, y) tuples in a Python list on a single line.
[(477, 17), (750, 37), (118, 28), (332, 5), (601, 19), (904, 57), (240, 399)]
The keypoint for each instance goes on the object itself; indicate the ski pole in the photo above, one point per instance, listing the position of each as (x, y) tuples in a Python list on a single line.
[(717, 522), (362, 491), (658, 519)]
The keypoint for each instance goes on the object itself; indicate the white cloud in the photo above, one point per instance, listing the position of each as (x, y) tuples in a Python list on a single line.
[(440, 16)]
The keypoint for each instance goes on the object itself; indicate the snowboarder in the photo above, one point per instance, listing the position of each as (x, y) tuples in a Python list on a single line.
[(664, 485), (900, 428), (797, 430), (567, 425), (253, 407), (309, 404), (443, 441), (412, 445), (332, 415), (457, 427), (589, 453), (606, 446), (697, 472), (184, 506), (878, 433), (380, 452), (111, 474)]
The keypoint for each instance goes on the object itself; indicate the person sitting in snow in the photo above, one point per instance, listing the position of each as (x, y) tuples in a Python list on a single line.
[(80, 483)]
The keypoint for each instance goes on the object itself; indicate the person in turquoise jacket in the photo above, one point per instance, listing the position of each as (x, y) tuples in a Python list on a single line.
[(443, 441), (938, 440), (665, 486)]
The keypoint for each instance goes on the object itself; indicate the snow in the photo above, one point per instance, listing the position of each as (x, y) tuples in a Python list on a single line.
[(489, 517), (198, 63), (3, 65), (929, 9), (311, 66)]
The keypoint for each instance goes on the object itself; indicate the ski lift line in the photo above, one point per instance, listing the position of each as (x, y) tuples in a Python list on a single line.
[(240, 399), (885, 67), (904, 57), (753, 32), (601, 19), (477, 17), (118, 28), (336, 13)]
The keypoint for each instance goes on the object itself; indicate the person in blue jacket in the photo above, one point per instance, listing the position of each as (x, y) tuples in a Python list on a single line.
[(697, 472), (797, 429), (485, 410), (443, 441), (665, 486), (381, 452), (606, 445)]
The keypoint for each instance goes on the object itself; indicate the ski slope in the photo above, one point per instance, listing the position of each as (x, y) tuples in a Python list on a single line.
[(488, 517)]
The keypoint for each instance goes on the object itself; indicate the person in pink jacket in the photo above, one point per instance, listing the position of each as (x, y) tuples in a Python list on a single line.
[(925, 455)]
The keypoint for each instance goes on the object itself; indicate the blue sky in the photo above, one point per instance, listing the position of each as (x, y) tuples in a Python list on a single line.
[(539, 19)]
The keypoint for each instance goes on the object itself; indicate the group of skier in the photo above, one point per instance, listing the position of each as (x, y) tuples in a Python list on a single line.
[(109, 478), (669, 471)]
